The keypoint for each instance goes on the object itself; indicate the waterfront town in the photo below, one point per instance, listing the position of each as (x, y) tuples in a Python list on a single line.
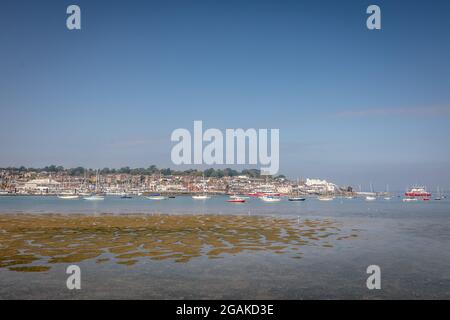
[(55, 180)]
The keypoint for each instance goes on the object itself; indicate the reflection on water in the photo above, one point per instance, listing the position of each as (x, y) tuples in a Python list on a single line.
[(31, 243)]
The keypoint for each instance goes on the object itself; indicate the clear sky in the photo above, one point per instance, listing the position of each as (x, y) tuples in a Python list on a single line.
[(352, 105)]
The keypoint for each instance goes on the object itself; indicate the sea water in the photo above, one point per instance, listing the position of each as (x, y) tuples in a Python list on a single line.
[(409, 242)]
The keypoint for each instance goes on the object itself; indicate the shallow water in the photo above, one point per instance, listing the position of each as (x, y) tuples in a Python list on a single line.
[(409, 241)]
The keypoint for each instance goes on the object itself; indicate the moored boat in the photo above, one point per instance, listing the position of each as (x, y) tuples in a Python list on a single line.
[(236, 200), (325, 198), (68, 196), (417, 192), (296, 199), (201, 197), (270, 199), (156, 196), (387, 194), (439, 195), (238, 197), (95, 197)]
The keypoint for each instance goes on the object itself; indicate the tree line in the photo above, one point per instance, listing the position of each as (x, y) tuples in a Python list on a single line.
[(151, 170)]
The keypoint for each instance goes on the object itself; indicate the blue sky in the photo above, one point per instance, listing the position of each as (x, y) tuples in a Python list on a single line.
[(352, 105)]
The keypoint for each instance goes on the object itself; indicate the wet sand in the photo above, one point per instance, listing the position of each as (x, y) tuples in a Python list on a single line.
[(198, 256), (33, 243)]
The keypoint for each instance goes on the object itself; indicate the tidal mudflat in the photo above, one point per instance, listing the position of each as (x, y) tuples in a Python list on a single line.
[(34, 243), (309, 251)]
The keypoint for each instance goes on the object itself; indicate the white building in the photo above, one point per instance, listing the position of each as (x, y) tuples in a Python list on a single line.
[(41, 185), (319, 186)]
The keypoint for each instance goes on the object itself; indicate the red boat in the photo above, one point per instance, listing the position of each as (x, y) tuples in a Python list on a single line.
[(417, 192), (236, 200)]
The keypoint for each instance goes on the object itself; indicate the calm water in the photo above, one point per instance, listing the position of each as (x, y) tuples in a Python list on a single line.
[(409, 241), (340, 207)]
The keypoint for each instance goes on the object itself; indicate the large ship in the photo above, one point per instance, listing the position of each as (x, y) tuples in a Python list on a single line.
[(417, 192)]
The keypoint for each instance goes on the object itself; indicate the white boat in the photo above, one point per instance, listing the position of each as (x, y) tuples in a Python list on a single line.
[(270, 199), (388, 195), (156, 197), (94, 197), (238, 197), (68, 196), (439, 195), (325, 198), (201, 197), (3, 193), (372, 195), (409, 199), (97, 196)]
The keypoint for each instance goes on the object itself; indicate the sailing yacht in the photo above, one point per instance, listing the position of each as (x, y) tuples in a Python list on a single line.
[(67, 195), (297, 197), (388, 195), (203, 196), (372, 195), (326, 197), (125, 194), (439, 195), (96, 196)]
